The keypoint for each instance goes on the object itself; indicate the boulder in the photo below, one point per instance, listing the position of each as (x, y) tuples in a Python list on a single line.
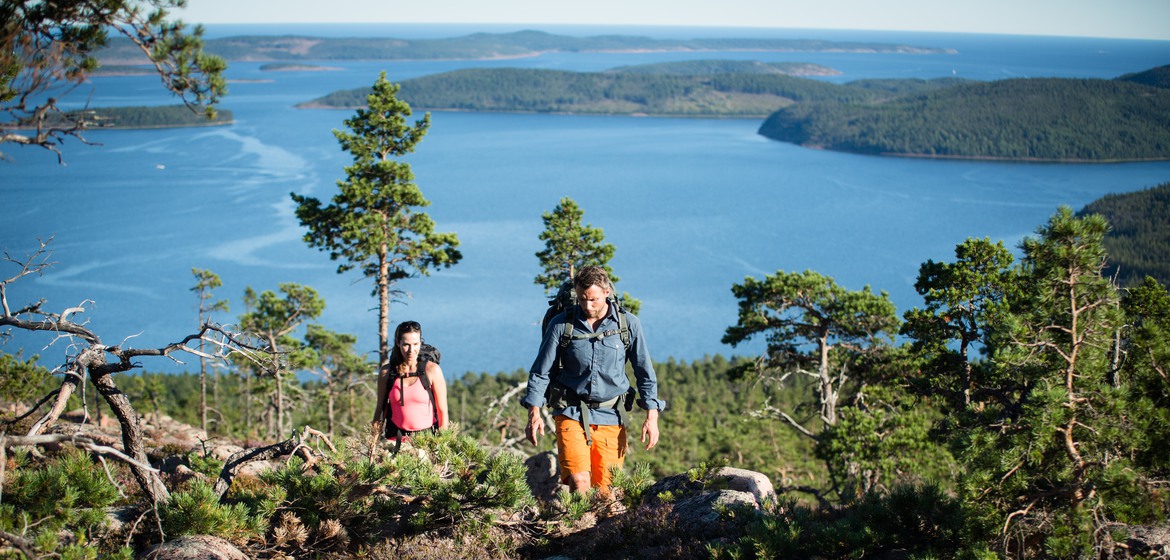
[(755, 486), (703, 510), (196, 547), (743, 480), (543, 475)]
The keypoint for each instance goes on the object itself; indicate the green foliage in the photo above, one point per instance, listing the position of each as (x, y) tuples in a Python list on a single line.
[(623, 92), (373, 223), (198, 511), (1048, 119), (22, 381), (443, 480), (919, 521), (633, 482), (570, 246), (1138, 241), (817, 329), (119, 118), (50, 46), (1051, 435), (1147, 310), (482, 482), (66, 495), (1156, 77)]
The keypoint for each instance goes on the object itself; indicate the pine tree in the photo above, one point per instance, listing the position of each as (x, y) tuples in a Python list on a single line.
[(373, 223), (273, 320), (205, 282), (570, 245), (819, 330)]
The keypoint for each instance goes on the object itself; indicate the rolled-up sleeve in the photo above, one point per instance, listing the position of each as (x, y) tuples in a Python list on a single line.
[(644, 376)]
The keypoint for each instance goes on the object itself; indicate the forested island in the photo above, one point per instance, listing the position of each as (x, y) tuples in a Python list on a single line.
[(165, 116), (701, 88), (488, 46), (1028, 119)]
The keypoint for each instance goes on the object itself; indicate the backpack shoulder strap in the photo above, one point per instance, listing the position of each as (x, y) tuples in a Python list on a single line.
[(624, 327), (567, 334)]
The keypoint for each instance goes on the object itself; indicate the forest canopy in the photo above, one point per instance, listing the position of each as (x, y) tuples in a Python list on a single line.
[(1139, 237)]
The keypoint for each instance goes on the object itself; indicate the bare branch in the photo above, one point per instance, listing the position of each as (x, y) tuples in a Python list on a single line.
[(81, 441), (23, 545)]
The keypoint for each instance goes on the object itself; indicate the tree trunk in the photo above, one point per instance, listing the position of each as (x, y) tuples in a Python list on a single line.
[(132, 442), (329, 405), (279, 403), (384, 341), (828, 395)]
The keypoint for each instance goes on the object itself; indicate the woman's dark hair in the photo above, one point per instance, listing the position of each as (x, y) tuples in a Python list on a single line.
[(402, 328)]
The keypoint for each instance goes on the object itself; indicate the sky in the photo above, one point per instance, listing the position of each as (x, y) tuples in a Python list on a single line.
[(1131, 19)]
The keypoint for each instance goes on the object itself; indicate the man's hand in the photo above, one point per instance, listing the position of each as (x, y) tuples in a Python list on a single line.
[(650, 429), (535, 427)]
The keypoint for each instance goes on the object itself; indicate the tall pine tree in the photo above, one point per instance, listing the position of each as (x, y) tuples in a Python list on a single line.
[(373, 222)]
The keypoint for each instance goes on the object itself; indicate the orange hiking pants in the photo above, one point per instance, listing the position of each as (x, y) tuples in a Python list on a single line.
[(576, 456)]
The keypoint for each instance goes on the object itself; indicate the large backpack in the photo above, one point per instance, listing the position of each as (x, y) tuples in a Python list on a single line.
[(565, 301), (426, 353)]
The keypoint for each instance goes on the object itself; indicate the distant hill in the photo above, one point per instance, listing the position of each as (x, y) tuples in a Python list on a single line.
[(1138, 242), (485, 46), (692, 89), (1037, 119), (1157, 77)]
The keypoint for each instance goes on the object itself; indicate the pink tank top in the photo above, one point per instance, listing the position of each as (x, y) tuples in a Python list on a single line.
[(417, 413)]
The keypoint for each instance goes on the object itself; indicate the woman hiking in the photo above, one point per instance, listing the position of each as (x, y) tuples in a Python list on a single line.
[(412, 394)]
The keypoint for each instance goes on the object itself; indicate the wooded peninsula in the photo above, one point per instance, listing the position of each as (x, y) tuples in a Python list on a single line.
[(165, 116), (1029, 119)]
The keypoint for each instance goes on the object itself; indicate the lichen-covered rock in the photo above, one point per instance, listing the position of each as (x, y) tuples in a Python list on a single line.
[(196, 547), (674, 488), (743, 480)]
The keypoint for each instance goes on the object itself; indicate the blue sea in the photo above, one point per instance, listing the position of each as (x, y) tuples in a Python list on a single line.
[(692, 205)]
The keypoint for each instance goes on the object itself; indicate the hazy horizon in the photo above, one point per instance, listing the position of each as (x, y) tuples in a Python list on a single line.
[(1121, 19)]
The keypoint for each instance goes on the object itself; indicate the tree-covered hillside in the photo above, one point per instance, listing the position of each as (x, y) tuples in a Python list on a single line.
[(1139, 236), (1045, 119), (1157, 77), (164, 116), (689, 89)]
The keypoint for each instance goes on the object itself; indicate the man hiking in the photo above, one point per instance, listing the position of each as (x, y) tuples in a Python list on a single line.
[(580, 371)]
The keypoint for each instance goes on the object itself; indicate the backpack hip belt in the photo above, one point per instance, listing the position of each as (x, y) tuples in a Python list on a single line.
[(622, 404)]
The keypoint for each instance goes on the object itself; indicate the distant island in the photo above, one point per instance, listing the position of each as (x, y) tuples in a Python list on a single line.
[(1028, 119), (702, 88), (120, 118), (295, 67), (480, 46)]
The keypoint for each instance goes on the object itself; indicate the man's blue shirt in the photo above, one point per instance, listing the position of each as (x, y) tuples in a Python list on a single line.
[(594, 368)]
